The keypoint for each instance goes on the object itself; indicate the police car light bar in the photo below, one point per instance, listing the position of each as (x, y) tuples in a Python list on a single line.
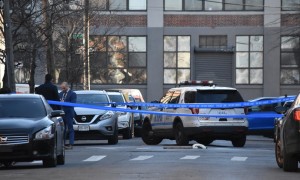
[(201, 83)]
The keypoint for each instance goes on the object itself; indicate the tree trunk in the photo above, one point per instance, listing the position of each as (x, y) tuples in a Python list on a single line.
[(32, 71)]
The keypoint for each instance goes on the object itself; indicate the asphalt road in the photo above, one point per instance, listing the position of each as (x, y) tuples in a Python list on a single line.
[(131, 159)]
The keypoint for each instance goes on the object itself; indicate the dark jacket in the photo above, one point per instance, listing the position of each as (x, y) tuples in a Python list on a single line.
[(50, 92), (70, 97)]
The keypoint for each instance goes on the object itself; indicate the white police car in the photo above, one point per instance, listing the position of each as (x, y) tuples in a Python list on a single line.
[(204, 130)]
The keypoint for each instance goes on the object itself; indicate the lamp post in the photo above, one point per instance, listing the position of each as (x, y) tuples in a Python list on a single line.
[(9, 58), (86, 61)]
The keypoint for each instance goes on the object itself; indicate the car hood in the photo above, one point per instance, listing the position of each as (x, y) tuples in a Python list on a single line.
[(23, 125), (86, 111)]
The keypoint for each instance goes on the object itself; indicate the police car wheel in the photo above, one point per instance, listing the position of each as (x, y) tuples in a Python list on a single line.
[(147, 135), (279, 158), (290, 163), (180, 137), (239, 142)]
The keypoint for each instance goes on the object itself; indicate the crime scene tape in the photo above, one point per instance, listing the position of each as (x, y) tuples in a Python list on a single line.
[(209, 105), (161, 113)]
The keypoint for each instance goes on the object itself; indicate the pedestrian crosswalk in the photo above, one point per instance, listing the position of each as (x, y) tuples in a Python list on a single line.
[(97, 158)]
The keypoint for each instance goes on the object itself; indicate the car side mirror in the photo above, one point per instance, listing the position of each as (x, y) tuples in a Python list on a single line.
[(113, 104), (281, 109), (57, 113)]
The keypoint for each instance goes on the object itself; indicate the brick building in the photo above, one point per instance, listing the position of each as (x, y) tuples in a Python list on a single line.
[(248, 44)]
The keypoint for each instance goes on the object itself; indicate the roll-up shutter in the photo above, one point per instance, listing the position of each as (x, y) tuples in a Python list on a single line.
[(215, 66)]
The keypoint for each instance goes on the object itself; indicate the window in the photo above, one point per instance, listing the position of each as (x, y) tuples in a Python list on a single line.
[(212, 41), (176, 59), (249, 59), (118, 59), (131, 5), (174, 5), (193, 5), (215, 5), (290, 5), (137, 5), (290, 60)]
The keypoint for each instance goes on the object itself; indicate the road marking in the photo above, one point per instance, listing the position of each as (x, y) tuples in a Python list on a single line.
[(94, 158), (189, 157), (36, 162), (141, 158), (142, 148), (236, 158)]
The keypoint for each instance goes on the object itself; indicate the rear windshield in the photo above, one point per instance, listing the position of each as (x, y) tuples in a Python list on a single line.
[(116, 98), (213, 96), (93, 99), (22, 108)]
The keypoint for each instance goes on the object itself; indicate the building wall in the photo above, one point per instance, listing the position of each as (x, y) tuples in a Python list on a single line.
[(157, 23)]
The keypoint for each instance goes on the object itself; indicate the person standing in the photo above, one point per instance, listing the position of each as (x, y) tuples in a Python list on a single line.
[(49, 91), (67, 95)]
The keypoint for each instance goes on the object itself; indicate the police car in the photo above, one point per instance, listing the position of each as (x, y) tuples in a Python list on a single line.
[(204, 130)]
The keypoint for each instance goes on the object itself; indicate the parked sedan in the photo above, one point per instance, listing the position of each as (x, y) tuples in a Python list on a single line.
[(262, 126), (287, 147), (30, 130)]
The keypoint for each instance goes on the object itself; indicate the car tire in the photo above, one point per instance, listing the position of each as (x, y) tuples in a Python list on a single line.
[(290, 163), (278, 154), (180, 136), (113, 140), (61, 157), (239, 142), (147, 135), (205, 142), (52, 160)]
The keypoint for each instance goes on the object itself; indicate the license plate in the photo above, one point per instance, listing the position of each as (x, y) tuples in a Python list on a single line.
[(83, 128)]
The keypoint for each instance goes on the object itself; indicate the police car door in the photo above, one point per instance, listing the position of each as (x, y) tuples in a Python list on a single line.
[(157, 120), (168, 120)]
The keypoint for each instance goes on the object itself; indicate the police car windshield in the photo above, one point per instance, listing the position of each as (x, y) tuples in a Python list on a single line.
[(218, 96), (93, 99)]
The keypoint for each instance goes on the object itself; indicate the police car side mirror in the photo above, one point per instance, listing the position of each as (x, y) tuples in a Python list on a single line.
[(281, 109), (113, 104), (57, 113)]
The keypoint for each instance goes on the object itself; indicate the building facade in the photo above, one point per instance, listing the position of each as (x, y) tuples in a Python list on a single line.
[(252, 45)]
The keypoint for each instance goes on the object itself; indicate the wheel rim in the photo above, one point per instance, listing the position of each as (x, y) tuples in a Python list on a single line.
[(278, 152)]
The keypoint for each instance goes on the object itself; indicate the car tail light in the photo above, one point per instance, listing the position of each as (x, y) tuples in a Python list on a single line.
[(246, 110), (297, 115), (195, 110)]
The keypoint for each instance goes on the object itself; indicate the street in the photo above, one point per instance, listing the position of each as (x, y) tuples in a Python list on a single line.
[(131, 159)]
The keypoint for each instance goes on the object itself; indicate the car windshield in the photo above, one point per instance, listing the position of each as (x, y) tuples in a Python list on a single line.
[(22, 108), (93, 99), (116, 98), (218, 96)]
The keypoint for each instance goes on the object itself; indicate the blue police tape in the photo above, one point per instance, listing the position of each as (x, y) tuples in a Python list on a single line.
[(210, 105), (265, 115)]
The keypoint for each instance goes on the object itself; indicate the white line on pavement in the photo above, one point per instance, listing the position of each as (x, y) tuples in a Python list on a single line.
[(142, 148), (94, 158), (189, 157), (141, 158), (236, 158)]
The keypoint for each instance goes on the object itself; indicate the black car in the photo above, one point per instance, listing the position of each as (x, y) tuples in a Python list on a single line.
[(30, 130), (287, 136)]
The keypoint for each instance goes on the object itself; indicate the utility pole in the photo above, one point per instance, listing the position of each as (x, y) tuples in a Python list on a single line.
[(86, 61), (9, 59)]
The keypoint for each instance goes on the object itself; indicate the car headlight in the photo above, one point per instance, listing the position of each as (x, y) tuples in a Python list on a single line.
[(107, 115), (46, 133)]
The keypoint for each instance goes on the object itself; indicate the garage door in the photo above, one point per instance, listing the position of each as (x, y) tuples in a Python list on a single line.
[(214, 66)]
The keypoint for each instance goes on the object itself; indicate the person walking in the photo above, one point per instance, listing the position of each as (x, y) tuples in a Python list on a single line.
[(67, 95), (49, 91)]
